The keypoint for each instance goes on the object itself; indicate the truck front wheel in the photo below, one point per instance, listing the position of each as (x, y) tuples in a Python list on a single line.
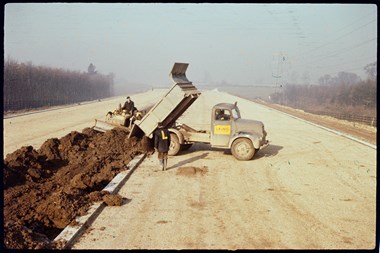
[(175, 146), (242, 149)]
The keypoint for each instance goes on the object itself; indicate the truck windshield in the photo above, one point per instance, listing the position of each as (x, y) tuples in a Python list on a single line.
[(235, 113)]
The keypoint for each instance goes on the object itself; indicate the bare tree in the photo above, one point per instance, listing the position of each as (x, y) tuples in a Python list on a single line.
[(91, 69), (371, 70), (348, 78), (28, 86), (345, 92), (325, 80)]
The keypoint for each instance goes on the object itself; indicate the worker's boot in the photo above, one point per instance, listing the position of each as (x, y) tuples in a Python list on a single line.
[(162, 162), (165, 163)]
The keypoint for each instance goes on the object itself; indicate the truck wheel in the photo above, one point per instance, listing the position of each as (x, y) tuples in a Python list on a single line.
[(242, 149), (174, 147)]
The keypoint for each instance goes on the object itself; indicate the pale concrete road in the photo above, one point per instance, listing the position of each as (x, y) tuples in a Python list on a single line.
[(35, 128), (310, 189)]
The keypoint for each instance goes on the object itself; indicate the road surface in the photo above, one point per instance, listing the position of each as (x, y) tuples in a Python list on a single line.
[(309, 189)]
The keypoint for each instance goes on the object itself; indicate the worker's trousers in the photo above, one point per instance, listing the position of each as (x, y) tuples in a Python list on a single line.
[(164, 163), (163, 158)]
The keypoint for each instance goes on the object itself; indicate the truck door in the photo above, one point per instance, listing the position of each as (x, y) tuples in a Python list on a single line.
[(221, 127)]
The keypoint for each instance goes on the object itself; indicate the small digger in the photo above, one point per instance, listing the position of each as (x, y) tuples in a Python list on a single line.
[(118, 117)]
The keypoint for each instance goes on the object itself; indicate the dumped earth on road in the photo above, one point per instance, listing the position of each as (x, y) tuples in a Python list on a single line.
[(45, 189)]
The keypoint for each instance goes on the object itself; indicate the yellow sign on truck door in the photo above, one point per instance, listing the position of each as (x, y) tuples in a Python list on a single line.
[(222, 129)]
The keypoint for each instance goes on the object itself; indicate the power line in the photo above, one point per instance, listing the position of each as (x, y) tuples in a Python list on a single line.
[(337, 52), (342, 36), (345, 34), (341, 33), (354, 22)]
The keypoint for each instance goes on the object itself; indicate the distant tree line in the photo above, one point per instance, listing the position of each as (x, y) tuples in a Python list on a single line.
[(27, 86), (345, 93)]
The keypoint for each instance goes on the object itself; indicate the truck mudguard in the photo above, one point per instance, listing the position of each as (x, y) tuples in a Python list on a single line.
[(255, 138), (179, 135)]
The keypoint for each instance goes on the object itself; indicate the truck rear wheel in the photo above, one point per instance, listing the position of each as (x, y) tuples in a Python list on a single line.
[(175, 146), (242, 149)]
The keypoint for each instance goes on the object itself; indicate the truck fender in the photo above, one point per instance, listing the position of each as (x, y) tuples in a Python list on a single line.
[(179, 135), (255, 138)]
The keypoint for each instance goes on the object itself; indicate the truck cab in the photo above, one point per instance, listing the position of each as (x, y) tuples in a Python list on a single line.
[(228, 130), (223, 124)]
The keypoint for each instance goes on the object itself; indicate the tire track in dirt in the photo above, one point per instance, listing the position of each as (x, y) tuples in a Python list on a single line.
[(212, 211), (218, 211), (242, 208), (348, 178), (347, 173), (211, 214), (188, 215), (146, 209), (201, 205), (205, 210), (166, 213), (303, 222), (304, 219), (229, 229), (298, 218)]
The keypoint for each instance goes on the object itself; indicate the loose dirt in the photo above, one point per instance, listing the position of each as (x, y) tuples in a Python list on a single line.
[(191, 171), (45, 189)]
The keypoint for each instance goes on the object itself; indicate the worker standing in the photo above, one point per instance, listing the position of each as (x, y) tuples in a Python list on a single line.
[(129, 106), (162, 144)]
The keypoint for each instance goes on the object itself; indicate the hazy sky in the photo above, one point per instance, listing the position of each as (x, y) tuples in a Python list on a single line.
[(239, 44)]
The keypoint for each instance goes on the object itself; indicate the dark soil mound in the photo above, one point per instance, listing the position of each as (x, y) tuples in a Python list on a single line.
[(45, 189)]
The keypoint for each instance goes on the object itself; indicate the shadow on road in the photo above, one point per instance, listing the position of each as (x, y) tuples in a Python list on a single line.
[(187, 161), (197, 147), (204, 147), (269, 151), (125, 201)]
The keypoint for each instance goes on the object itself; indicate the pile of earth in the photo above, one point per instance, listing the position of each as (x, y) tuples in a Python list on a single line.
[(45, 189)]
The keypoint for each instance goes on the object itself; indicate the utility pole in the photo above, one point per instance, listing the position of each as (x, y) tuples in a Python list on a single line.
[(279, 71)]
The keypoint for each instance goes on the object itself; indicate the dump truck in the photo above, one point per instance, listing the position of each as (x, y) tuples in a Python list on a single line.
[(226, 130)]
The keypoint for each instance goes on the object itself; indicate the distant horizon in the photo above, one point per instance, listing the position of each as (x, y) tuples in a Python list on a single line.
[(241, 89)]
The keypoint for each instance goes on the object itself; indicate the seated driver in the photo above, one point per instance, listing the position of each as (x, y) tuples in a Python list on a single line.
[(220, 115)]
